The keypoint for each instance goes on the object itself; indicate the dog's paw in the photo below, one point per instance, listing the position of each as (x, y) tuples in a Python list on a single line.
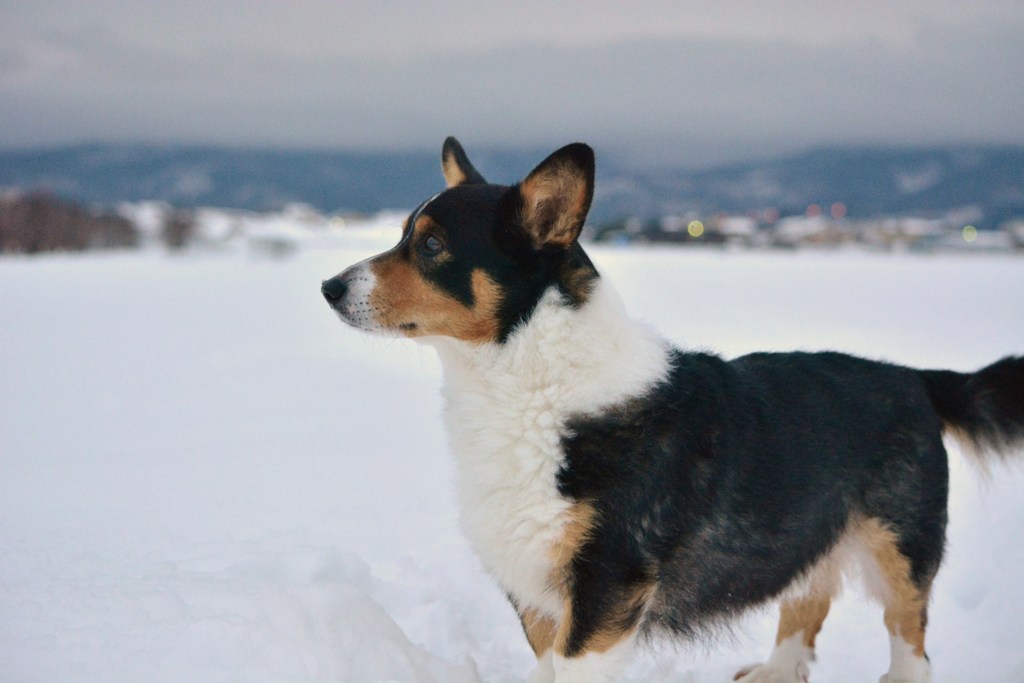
[(767, 673), (544, 671), (920, 679), (539, 676), (915, 670)]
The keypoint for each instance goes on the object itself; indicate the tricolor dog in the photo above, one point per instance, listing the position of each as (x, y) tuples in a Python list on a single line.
[(617, 487)]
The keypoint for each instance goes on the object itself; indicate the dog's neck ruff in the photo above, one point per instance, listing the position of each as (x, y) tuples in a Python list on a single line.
[(584, 358), (506, 410)]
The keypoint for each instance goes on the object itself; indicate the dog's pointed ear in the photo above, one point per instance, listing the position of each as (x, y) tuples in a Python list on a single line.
[(556, 196), (456, 166)]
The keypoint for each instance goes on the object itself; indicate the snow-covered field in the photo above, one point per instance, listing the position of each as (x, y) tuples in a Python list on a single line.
[(205, 477)]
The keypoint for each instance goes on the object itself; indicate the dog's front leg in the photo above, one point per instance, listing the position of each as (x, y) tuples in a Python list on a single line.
[(544, 672), (594, 666), (596, 636), (540, 633), (590, 666), (587, 646)]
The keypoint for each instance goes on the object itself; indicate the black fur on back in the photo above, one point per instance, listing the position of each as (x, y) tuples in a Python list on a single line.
[(731, 478)]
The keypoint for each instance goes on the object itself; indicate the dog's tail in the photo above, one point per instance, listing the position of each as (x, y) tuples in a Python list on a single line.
[(983, 410)]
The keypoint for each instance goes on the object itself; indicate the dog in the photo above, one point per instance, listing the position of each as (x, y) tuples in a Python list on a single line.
[(617, 487)]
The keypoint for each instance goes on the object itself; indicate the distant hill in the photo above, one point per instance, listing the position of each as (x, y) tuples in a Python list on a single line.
[(987, 182), (257, 179)]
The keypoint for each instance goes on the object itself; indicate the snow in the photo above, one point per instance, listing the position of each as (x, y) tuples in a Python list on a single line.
[(205, 477)]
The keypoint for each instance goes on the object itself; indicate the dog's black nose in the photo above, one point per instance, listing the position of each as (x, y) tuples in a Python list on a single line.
[(333, 289)]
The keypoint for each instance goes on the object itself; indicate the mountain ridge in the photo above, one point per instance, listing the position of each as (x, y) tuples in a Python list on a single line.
[(987, 180)]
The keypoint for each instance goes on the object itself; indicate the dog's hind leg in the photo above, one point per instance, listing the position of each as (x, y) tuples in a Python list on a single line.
[(799, 623), (904, 593), (800, 620)]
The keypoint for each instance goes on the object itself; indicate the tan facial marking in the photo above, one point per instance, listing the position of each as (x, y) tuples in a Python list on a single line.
[(405, 301)]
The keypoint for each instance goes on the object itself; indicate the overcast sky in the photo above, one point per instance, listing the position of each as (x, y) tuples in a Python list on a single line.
[(693, 82)]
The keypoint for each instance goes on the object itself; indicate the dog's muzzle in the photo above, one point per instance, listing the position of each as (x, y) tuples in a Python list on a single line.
[(349, 295)]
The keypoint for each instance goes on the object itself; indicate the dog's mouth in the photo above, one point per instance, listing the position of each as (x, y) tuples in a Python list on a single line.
[(355, 319), (366, 318), (358, 316)]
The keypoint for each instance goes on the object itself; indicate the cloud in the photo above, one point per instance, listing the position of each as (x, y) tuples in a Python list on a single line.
[(684, 80)]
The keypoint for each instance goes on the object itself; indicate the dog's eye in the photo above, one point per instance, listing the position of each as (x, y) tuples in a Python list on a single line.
[(431, 245)]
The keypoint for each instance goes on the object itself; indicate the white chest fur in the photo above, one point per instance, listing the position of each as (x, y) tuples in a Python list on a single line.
[(506, 408)]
